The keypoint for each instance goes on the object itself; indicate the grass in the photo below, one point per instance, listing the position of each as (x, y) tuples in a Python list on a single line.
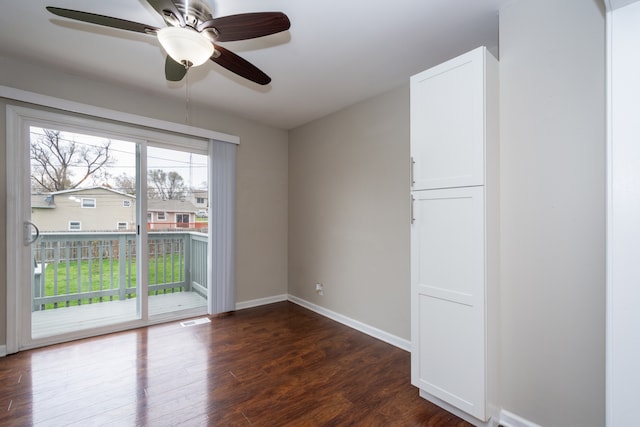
[(90, 274)]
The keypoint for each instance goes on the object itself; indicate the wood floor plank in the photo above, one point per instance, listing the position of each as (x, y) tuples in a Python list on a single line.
[(275, 365)]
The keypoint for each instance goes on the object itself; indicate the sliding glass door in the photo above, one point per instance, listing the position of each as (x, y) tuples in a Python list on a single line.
[(86, 265), (114, 228), (178, 227)]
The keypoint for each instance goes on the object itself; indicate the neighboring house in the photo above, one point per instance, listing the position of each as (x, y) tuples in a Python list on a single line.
[(168, 214), (84, 209), (104, 209), (200, 199)]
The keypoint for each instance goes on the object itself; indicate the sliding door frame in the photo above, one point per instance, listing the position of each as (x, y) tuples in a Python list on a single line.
[(19, 119)]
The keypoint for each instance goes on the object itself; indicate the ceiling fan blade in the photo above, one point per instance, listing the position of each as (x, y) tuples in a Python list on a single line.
[(106, 21), (167, 8), (247, 25), (174, 71), (240, 66)]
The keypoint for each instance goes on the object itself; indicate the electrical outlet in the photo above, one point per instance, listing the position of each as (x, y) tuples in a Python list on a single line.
[(319, 288)]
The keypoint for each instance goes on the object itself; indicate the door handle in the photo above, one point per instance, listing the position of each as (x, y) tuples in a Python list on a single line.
[(28, 236), (413, 218), (413, 180)]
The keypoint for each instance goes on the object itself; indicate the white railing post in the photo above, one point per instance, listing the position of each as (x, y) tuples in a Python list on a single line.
[(122, 267)]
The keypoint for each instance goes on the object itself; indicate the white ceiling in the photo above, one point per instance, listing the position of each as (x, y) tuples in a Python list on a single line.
[(336, 53)]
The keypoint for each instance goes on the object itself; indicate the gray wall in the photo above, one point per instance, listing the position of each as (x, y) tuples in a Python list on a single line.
[(349, 212), (262, 171), (552, 83), (348, 191)]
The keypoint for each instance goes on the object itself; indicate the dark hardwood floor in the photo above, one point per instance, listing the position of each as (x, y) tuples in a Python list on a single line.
[(275, 365)]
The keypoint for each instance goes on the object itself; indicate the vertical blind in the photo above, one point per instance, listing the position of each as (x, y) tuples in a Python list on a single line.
[(222, 223)]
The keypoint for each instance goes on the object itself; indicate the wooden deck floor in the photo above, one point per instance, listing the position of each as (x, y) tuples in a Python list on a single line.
[(275, 365), (68, 319)]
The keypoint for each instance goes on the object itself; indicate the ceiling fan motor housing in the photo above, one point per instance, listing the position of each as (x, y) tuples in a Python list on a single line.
[(194, 12)]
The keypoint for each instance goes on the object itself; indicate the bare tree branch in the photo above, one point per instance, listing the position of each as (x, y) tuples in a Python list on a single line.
[(53, 159), (167, 186)]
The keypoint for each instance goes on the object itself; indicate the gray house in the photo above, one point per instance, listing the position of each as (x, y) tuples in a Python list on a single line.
[(103, 209), (199, 198), (84, 209)]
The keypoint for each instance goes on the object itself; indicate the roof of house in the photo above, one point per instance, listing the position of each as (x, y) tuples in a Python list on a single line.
[(47, 200), (97, 187), (42, 201), (200, 193), (170, 205)]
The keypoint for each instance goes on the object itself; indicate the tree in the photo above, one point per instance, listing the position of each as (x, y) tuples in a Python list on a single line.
[(58, 163), (166, 186), (125, 184)]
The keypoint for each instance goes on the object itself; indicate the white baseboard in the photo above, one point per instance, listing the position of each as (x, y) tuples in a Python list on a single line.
[(355, 324), (260, 301), (507, 419), (3, 350)]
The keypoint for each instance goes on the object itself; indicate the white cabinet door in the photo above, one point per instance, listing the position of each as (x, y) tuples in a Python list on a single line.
[(448, 291), (447, 123)]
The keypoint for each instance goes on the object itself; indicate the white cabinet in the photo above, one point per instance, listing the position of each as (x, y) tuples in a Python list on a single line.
[(447, 123), (454, 233)]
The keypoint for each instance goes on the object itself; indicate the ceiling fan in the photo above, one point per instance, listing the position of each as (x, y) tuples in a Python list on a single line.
[(191, 35)]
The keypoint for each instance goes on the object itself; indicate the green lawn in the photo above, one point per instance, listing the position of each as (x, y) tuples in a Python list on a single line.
[(90, 276)]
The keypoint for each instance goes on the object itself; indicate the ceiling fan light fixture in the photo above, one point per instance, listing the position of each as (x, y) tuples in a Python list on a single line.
[(185, 46)]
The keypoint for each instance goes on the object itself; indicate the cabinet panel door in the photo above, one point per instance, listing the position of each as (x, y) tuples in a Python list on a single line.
[(447, 123), (448, 289)]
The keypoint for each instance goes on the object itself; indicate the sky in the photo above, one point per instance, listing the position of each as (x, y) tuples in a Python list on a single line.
[(192, 167)]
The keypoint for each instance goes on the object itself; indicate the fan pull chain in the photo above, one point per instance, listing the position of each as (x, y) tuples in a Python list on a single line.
[(186, 90)]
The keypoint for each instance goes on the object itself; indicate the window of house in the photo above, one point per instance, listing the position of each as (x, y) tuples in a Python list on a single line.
[(182, 220), (122, 226), (161, 216), (149, 216), (88, 203), (126, 203), (75, 226), (200, 200)]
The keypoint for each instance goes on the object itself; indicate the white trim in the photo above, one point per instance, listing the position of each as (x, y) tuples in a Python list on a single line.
[(260, 301), (609, 389), (617, 4), (86, 124), (105, 113), (347, 321), (623, 235), (3, 350), (355, 324), (75, 222), (508, 419), (17, 253), (82, 202)]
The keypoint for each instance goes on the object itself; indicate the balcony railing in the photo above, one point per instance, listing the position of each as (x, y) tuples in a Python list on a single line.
[(87, 268)]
